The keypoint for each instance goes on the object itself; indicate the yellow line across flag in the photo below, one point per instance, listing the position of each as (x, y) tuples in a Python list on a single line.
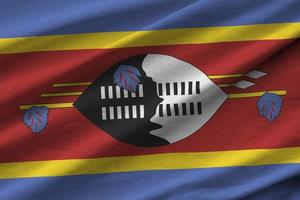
[(109, 40), (167, 161)]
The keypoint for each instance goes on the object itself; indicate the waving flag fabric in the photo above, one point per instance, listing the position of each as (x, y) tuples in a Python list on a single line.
[(123, 100)]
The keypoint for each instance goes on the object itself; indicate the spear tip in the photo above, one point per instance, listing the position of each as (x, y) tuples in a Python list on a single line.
[(244, 84), (255, 74)]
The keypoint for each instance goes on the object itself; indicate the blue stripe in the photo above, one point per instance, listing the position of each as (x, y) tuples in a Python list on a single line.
[(252, 183), (35, 17)]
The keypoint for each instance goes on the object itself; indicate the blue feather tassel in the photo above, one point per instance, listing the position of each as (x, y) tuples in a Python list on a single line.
[(36, 118), (127, 77), (269, 106)]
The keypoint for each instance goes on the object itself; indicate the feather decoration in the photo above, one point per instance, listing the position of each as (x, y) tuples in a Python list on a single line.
[(127, 77), (269, 106), (36, 118)]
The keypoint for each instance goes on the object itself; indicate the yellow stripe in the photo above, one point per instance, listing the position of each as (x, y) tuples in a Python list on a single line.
[(48, 105), (226, 76), (61, 94), (71, 84), (226, 85), (108, 40), (255, 94), (167, 161)]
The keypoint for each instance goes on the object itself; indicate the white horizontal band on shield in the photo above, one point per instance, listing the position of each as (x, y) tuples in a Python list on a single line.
[(115, 92), (163, 89), (177, 109), (178, 88), (122, 112), (134, 111)]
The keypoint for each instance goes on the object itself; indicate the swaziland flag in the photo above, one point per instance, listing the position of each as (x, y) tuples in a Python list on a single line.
[(136, 100)]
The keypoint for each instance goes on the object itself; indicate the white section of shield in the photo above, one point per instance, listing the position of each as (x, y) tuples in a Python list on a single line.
[(163, 68)]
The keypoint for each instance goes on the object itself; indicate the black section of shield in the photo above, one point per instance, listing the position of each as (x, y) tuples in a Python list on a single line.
[(132, 131)]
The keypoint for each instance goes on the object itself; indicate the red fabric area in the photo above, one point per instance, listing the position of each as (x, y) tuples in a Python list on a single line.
[(236, 125)]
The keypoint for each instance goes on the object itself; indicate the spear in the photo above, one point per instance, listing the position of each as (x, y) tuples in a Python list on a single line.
[(240, 84), (243, 84), (230, 96), (255, 74)]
